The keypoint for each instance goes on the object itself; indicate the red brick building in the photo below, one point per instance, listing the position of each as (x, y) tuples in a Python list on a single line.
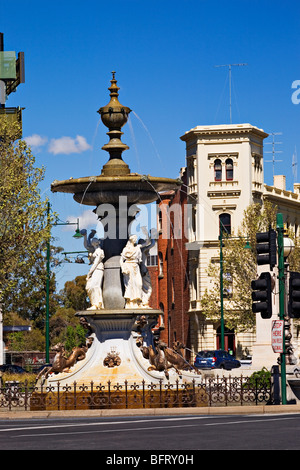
[(170, 281)]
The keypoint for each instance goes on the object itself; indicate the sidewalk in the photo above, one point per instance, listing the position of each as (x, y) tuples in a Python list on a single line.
[(221, 410)]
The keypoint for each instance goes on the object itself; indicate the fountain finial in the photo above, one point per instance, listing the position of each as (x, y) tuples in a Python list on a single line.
[(114, 116)]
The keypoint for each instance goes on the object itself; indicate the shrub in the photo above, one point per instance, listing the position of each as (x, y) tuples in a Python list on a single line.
[(259, 379)]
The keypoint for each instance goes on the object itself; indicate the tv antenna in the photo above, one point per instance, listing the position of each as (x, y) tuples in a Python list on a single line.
[(229, 68), (294, 165), (273, 150)]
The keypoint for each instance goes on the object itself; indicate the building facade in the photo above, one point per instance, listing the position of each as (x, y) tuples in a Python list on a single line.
[(224, 169)]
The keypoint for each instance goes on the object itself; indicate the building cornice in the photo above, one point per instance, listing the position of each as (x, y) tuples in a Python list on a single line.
[(224, 130), (281, 196)]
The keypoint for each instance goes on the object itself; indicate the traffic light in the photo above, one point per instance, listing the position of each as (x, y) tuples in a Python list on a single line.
[(294, 295), (262, 288), (266, 248)]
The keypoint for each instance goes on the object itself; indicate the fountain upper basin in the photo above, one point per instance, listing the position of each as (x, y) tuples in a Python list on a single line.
[(95, 190)]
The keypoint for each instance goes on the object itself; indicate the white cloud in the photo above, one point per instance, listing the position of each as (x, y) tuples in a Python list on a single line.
[(35, 141), (87, 219), (67, 145)]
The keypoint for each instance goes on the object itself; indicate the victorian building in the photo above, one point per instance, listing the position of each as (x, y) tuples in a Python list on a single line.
[(224, 176)]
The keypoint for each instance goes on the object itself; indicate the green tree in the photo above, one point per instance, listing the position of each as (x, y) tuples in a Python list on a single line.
[(23, 225), (33, 340), (75, 337), (28, 297), (239, 269), (74, 294), (64, 325)]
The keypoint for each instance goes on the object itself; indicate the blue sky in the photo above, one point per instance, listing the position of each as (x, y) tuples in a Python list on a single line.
[(164, 53)]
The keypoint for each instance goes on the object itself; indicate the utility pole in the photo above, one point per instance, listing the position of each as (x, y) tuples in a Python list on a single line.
[(229, 67), (2, 82), (1, 337), (48, 272), (48, 283), (12, 73)]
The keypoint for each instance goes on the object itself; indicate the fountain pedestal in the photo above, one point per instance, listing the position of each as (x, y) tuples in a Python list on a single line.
[(115, 356)]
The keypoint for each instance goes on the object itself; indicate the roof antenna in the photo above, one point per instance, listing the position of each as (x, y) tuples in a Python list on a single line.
[(229, 67), (294, 165), (273, 150)]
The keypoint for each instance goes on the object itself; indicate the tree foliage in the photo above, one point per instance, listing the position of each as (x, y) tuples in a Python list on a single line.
[(23, 224), (28, 297), (74, 294), (239, 269), (64, 325)]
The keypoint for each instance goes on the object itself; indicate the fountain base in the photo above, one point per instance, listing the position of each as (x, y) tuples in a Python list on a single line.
[(119, 339)]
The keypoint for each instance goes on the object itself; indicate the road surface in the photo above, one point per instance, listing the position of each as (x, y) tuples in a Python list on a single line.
[(157, 435)]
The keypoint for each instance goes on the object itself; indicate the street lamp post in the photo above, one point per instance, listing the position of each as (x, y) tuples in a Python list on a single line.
[(48, 282), (77, 235), (221, 283)]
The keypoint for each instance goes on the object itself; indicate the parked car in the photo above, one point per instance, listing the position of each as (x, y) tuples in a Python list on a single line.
[(12, 369), (216, 359)]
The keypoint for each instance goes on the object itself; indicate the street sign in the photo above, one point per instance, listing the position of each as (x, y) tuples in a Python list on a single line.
[(277, 336)]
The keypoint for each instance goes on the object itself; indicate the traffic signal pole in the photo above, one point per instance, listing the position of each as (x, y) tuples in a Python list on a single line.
[(221, 289), (281, 278)]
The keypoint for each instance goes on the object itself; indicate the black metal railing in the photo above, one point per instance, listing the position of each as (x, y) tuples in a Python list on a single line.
[(212, 391)]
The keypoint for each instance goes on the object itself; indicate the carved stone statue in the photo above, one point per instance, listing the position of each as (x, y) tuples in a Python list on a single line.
[(60, 362), (162, 358), (87, 240), (146, 280), (131, 258), (95, 275)]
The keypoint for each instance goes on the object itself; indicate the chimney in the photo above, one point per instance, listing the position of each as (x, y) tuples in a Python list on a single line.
[(279, 182), (297, 188)]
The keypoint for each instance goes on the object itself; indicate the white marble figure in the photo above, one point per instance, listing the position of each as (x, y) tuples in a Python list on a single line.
[(95, 275), (130, 260), (146, 244)]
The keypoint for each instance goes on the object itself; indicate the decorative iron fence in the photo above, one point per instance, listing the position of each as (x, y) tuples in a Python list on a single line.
[(213, 391)]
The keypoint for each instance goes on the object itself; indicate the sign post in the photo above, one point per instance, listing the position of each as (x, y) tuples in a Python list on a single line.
[(277, 336)]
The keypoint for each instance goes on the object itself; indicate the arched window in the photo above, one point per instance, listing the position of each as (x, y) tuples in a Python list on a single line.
[(160, 265), (218, 170), (229, 169), (225, 223)]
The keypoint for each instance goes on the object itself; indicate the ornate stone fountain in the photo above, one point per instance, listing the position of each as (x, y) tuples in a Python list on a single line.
[(120, 344)]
